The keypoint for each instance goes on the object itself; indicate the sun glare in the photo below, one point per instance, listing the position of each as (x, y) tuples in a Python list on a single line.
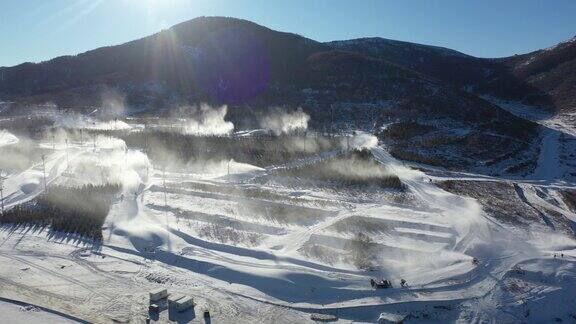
[(160, 4)]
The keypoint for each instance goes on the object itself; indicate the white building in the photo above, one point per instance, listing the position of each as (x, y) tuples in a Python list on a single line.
[(157, 294), (173, 298), (183, 303)]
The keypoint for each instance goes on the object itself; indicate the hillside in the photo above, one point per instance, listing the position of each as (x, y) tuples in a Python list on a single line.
[(251, 68), (189, 59), (226, 60), (544, 78), (551, 71)]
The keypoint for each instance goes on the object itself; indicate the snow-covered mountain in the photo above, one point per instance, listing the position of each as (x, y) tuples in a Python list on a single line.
[(545, 77), (360, 84), (353, 181)]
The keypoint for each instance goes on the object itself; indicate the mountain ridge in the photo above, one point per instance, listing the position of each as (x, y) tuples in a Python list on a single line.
[(158, 58)]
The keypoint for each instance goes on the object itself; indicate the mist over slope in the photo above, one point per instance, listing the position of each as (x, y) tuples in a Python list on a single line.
[(250, 69), (276, 219)]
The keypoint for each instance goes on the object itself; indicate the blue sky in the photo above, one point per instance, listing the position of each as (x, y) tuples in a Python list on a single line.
[(36, 30)]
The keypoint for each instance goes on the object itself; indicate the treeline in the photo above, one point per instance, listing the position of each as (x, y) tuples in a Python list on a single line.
[(569, 198), (80, 210), (28, 126), (354, 168), (405, 130), (227, 235), (362, 251), (264, 150), (407, 155)]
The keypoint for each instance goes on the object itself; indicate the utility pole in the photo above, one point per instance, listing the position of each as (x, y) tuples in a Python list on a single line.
[(2, 191), (2, 194), (164, 185), (331, 120), (67, 157), (44, 171), (348, 143), (81, 137), (165, 196), (338, 309), (145, 140)]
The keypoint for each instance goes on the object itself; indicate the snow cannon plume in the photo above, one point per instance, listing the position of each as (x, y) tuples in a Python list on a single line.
[(205, 120), (7, 138), (360, 141), (112, 104), (281, 122)]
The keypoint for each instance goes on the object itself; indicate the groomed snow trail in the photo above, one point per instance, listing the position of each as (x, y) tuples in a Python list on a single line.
[(431, 244), (550, 168), (471, 237), (463, 214)]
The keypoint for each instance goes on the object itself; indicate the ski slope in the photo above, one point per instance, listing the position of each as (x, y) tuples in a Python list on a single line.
[(24, 313), (269, 252), (7, 138)]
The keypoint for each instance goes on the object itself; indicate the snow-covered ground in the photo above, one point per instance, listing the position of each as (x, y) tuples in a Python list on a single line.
[(558, 141), (16, 312), (271, 252), (7, 138)]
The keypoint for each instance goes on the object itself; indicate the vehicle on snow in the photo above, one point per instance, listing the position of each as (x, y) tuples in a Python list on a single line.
[(381, 284)]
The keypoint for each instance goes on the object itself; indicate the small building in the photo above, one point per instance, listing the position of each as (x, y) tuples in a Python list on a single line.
[(173, 298), (154, 308), (184, 303), (158, 294)]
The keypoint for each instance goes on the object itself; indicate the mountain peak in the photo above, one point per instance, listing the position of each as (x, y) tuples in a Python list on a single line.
[(215, 21)]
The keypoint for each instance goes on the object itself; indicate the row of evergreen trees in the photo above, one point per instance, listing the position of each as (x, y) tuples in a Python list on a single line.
[(80, 210), (263, 150), (357, 167)]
